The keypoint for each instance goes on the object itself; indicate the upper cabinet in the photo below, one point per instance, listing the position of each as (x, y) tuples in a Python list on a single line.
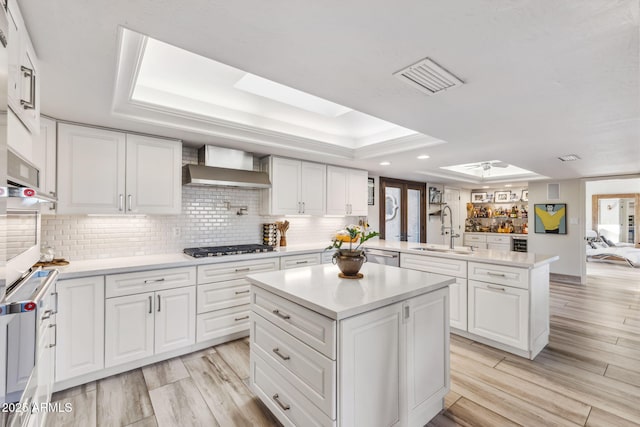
[(44, 156), (297, 187), (346, 191), (24, 73), (107, 172)]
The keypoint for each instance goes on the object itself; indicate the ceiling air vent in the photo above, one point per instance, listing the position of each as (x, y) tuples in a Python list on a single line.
[(569, 158), (428, 77)]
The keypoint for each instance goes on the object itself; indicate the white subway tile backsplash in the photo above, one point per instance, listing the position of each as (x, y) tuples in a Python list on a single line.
[(204, 221)]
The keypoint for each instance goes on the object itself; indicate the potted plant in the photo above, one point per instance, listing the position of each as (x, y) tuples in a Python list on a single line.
[(350, 260)]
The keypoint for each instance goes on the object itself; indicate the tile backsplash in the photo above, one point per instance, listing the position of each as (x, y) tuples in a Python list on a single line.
[(204, 221)]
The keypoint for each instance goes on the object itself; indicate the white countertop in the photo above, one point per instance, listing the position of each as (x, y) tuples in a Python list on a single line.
[(319, 288), (488, 256), (97, 267)]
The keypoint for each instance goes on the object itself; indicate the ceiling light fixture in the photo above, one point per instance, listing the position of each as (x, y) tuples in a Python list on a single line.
[(569, 157), (485, 186), (508, 185), (385, 163), (290, 96), (423, 156)]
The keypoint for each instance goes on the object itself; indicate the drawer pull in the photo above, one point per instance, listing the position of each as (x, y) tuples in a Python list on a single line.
[(242, 292), (282, 356), (55, 335), (280, 315), (154, 281), (282, 405), (497, 288), (491, 273), (237, 319), (301, 262), (239, 270)]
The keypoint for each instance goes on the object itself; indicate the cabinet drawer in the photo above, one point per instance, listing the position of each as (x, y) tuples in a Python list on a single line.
[(309, 371), (221, 323), (294, 261), (450, 267), (216, 296), (234, 270), (499, 247), (475, 238), (290, 406), (312, 328), (327, 256), (499, 239), (149, 281), (500, 274)]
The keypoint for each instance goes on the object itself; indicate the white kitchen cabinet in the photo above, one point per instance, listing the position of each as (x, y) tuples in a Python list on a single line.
[(347, 191), (500, 313), (129, 328), (44, 158), (392, 363), (80, 327), (106, 172), (223, 297), (148, 313), (457, 291), (475, 241), (24, 73), (295, 261), (499, 243), (297, 187)]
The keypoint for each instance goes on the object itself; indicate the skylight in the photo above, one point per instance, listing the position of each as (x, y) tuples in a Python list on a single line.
[(489, 169), (287, 95), (180, 83)]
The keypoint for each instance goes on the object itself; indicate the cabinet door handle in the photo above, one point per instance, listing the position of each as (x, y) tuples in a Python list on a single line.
[(237, 319), (303, 207), (497, 288), (130, 200), (301, 262), (158, 303), (46, 315), (282, 405), (242, 292), (239, 270), (299, 207), (491, 273), (31, 103), (55, 335), (153, 281), (280, 315), (120, 202), (282, 356), (55, 311), (150, 304)]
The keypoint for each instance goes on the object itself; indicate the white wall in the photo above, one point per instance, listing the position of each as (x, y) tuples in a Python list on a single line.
[(570, 246)]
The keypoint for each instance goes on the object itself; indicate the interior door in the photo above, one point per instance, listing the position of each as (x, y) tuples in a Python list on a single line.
[(403, 209)]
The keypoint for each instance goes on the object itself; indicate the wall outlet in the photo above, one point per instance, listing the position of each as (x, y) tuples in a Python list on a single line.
[(176, 231)]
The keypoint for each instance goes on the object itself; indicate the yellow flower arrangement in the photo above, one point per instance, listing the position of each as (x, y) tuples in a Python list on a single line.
[(352, 234)]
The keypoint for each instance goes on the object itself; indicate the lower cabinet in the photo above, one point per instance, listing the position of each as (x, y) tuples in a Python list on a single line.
[(500, 313), (141, 325), (458, 304), (295, 261), (80, 327), (392, 363)]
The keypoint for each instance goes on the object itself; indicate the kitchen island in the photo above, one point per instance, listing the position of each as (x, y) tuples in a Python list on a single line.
[(331, 351)]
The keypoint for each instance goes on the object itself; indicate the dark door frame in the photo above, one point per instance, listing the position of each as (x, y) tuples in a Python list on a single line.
[(405, 186)]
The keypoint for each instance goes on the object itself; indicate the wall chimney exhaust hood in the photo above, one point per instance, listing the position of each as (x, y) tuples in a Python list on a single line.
[(224, 167)]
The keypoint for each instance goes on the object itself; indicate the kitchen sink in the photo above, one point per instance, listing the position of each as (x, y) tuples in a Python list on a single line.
[(443, 250)]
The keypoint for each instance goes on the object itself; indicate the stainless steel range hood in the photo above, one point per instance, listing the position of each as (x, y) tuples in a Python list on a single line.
[(225, 167)]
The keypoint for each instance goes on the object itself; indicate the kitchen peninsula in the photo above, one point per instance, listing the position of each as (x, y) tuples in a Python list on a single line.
[(332, 351)]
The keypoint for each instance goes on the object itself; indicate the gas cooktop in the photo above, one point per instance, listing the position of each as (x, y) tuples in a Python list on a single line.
[(226, 250)]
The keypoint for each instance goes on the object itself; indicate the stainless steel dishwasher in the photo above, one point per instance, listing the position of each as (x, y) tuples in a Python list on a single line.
[(379, 256)]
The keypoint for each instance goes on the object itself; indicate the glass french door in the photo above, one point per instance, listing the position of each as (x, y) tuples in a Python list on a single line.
[(402, 211)]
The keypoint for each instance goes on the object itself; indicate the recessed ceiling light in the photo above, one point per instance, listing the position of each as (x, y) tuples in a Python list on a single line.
[(385, 163), (485, 186), (423, 156), (508, 185), (569, 158)]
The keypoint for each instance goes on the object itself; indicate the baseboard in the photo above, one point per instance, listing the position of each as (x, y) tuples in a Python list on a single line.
[(565, 278)]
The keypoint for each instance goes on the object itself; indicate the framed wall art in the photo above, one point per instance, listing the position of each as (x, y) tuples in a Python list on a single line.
[(478, 197), (525, 196), (371, 198), (551, 218), (501, 196)]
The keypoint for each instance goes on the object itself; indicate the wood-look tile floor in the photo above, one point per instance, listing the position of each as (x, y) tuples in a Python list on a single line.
[(588, 375)]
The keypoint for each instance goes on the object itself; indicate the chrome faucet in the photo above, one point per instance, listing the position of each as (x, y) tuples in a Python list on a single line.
[(450, 227)]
